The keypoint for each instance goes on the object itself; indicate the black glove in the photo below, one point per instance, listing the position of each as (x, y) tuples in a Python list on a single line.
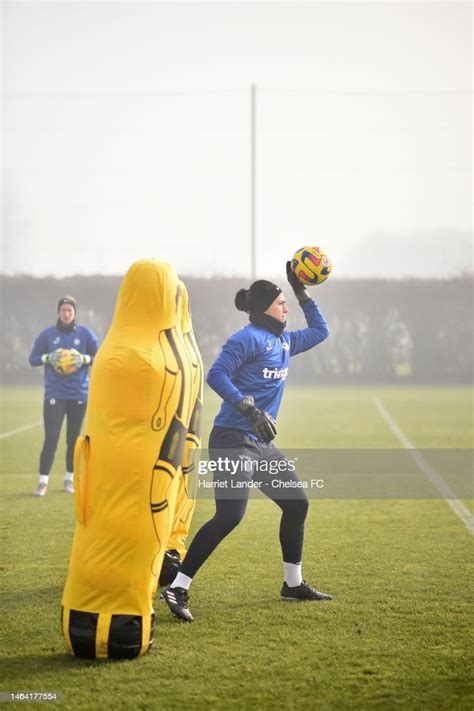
[(262, 422), (300, 290)]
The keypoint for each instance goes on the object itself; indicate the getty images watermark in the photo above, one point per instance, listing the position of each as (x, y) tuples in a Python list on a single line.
[(334, 473), (243, 473)]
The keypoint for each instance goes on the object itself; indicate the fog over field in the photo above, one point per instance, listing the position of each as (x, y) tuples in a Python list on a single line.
[(127, 134)]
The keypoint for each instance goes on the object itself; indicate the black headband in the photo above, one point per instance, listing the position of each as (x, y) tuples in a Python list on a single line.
[(261, 295)]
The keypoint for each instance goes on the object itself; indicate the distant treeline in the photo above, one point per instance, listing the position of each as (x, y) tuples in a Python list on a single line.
[(390, 331)]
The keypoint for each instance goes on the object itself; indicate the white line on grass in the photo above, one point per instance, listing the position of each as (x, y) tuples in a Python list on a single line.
[(4, 435), (438, 482)]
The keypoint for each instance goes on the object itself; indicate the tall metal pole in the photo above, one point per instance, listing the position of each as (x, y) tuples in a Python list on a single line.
[(253, 181)]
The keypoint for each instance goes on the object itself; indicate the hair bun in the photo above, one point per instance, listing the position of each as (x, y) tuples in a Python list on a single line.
[(241, 300)]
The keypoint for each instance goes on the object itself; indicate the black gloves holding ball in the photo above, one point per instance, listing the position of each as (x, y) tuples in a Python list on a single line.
[(299, 289)]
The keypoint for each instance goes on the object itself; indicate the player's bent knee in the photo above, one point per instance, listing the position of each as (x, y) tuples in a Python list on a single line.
[(297, 509), (226, 524)]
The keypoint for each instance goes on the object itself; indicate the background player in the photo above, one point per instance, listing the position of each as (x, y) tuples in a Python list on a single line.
[(64, 395)]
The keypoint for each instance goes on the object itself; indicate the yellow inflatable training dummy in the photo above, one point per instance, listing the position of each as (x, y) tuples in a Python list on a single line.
[(186, 497), (127, 468)]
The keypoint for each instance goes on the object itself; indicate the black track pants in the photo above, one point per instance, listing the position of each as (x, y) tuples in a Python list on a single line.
[(54, 412), (230, 510)]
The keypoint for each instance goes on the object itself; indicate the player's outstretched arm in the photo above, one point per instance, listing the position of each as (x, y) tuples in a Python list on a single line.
[(317, 329)]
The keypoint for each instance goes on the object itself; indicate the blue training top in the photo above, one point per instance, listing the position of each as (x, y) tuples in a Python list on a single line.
[(255, 362), (65, 387)]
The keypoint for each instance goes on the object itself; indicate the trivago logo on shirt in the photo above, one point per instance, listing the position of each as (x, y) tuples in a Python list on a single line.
[(255, 362), (275, 373)]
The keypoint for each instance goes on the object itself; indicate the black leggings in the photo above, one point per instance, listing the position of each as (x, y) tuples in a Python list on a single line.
[(230, 511), (54, 412)]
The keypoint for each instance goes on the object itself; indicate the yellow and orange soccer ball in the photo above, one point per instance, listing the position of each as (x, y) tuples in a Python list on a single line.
[(67, 363), (311, 265)]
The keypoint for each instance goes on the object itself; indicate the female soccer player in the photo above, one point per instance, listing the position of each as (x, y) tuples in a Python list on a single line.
[(249, 375), (64, 395)]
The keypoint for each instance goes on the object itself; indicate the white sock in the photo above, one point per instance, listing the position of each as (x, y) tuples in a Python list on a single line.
[(69, 476), (181, 581), (43, 479), (292, 572)]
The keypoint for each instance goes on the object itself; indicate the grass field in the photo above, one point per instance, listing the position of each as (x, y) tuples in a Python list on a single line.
[(396, 636)]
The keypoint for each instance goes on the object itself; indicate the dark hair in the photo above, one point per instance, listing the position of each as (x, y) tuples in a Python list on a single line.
[(241, 300)]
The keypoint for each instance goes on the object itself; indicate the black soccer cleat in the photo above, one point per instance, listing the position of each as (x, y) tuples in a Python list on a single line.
[(302, 592), (177, 601), (169, 568)]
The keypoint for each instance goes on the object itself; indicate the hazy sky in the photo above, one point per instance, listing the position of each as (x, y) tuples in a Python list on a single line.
[(126, 135)]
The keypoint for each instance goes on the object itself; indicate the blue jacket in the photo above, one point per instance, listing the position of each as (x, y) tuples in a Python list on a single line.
[(65, 387), (255, 362)]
